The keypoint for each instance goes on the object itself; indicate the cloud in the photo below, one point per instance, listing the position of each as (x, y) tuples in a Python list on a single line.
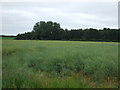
[(20, 17), (23, 13), (59, 0)]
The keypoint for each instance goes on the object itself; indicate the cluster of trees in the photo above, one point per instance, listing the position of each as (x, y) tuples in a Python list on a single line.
[(7, 36), (52, 31)]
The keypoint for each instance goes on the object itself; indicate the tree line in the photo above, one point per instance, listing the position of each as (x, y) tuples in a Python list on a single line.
[(52, 31)]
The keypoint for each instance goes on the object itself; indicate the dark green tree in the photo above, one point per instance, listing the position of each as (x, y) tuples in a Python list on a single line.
[(52, 31)]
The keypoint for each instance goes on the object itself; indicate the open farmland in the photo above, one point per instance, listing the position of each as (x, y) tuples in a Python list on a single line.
[(7, 38), (59, 64)]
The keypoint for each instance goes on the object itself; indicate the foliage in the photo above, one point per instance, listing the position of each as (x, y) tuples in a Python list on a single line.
[(52, 31)]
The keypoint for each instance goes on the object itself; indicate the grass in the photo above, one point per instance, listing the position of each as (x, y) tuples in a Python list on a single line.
[(59, 64), (7, 38)]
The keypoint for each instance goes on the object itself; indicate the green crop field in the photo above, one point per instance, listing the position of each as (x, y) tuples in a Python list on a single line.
[(59, 64), (7, 38)]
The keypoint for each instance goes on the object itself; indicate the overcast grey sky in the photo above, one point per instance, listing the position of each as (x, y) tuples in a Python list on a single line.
[(19, 17)]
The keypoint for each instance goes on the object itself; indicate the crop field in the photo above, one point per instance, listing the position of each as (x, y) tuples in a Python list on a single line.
[(59, 64), (7, 38)]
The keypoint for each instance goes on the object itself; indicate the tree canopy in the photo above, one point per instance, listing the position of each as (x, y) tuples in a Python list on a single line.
[(52, 31)]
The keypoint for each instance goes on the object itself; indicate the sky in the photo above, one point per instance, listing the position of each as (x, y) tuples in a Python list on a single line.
[(19, 17)]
